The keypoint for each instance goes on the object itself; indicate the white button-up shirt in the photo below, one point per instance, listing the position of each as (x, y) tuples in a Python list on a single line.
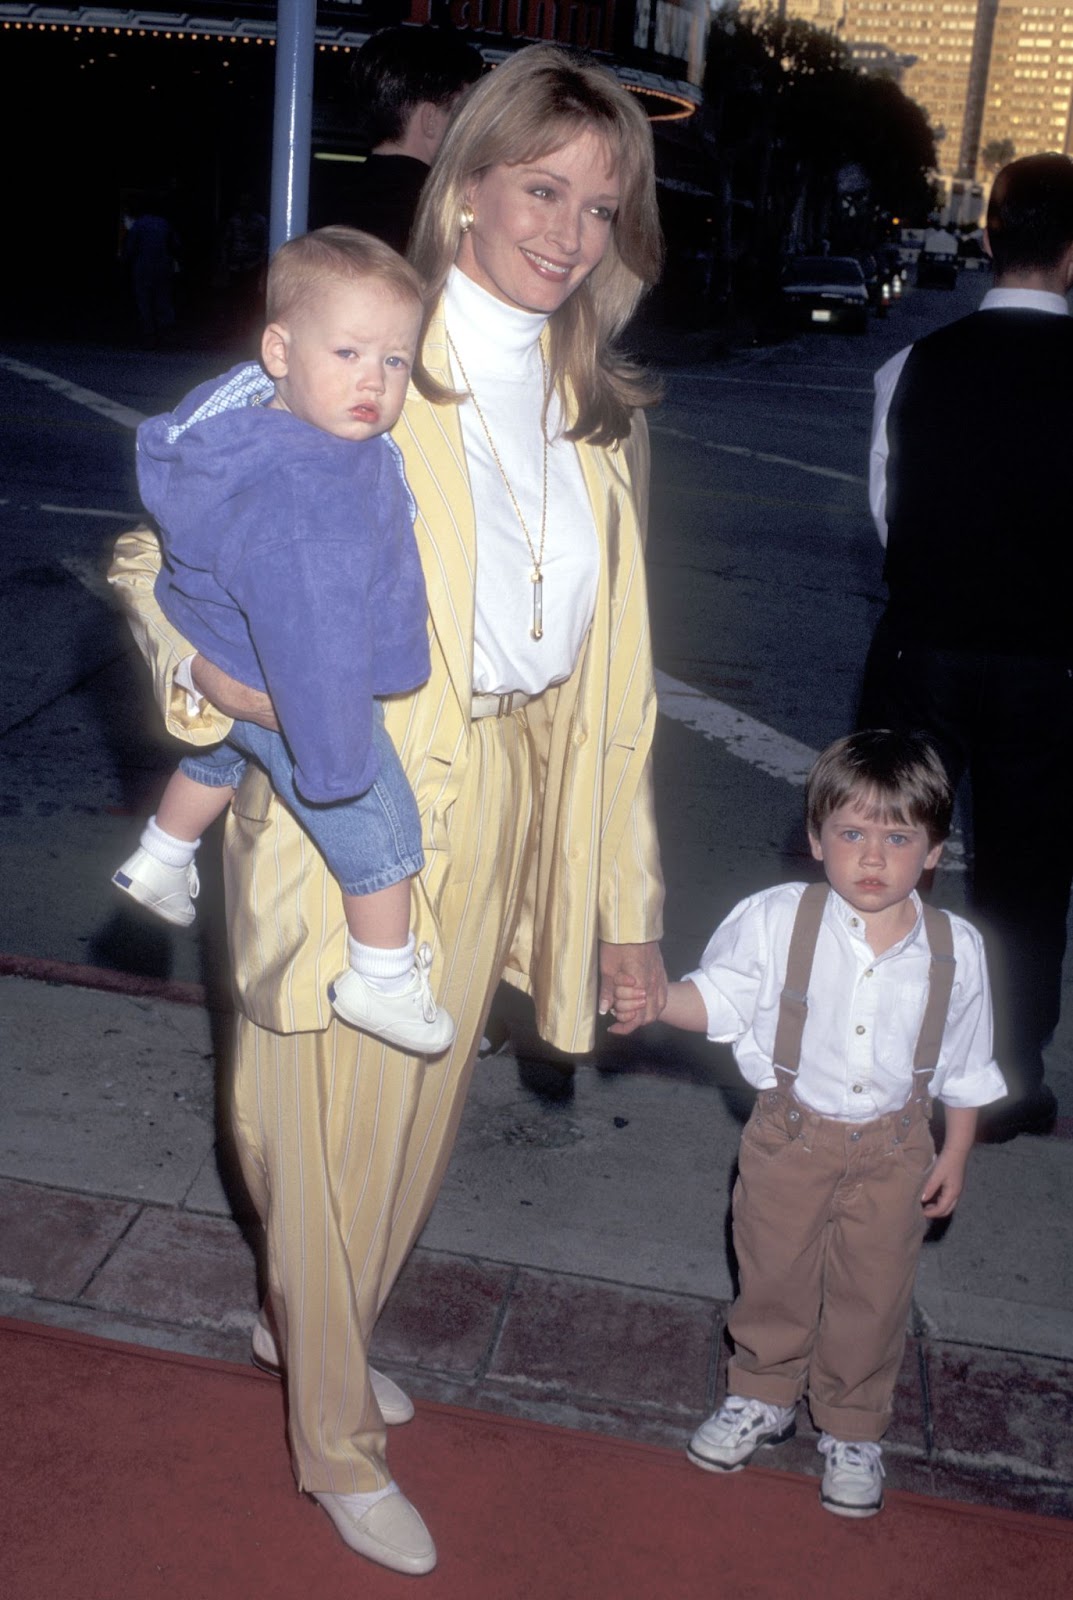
[(864, 1010)]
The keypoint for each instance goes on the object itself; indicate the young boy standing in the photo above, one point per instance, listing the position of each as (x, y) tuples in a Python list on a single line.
[(290, 563), (848, 1005)]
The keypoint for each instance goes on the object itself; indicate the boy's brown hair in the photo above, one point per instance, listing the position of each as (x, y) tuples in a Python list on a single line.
[(893, 777), (304, 266)]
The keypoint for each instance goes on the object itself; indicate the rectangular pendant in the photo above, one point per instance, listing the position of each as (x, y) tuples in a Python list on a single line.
[(536, 578)]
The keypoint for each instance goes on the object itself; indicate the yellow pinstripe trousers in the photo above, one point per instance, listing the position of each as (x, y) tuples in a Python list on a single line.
[(344, 1142)]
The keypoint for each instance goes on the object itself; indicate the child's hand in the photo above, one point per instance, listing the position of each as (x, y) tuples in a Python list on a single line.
[(946, 1179), (629, 999), (945, 1183)]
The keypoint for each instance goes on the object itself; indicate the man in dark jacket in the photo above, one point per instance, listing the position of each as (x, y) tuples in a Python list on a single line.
[(407, 82), (971, 488)]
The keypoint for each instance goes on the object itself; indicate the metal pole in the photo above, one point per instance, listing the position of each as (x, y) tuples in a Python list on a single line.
[(292, 120)]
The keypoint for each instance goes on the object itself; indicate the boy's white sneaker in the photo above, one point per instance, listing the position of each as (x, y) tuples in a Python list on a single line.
[(852, 1478), (410, 1019), (733, 1434), (169, 892)]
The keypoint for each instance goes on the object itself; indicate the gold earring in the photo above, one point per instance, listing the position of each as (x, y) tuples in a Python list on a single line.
[(466, 218)]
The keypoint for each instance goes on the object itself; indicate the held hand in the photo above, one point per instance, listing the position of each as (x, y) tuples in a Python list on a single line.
[(638, 969), (234, 699), (628, 1003)]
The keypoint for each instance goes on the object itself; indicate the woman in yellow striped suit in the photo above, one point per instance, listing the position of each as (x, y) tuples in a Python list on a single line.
[(528, 747)]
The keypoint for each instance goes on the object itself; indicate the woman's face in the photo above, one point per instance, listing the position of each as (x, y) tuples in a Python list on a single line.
[(539, 228)]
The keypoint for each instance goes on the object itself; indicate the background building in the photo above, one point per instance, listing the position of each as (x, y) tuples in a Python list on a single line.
[(1030, 84), (994, 76)]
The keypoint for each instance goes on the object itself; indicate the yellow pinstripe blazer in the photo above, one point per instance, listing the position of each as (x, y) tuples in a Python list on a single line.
[(596, 872)]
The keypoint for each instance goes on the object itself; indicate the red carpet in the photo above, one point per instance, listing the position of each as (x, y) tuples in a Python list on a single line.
[(127, 1474)]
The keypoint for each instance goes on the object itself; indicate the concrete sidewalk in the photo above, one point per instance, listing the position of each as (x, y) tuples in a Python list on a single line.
[(575, 1268)]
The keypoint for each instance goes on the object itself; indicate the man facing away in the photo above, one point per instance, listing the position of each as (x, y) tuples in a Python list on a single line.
[(971, 485), (407, 82)]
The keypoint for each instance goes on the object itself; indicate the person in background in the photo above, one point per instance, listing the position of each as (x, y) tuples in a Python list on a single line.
[(528, 748), (149, 253), (406, 84), (243, 259), (971, 480)]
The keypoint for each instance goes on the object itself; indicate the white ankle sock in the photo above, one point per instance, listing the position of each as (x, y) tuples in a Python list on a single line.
[(385, 970), (358, 1503), (165, 848)]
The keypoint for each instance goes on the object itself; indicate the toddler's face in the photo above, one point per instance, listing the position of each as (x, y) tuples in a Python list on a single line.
[(871, 863), (343, 362)]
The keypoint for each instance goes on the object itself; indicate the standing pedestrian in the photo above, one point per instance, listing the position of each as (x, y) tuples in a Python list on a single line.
[(149, 254), (971, 484), (406, 84)]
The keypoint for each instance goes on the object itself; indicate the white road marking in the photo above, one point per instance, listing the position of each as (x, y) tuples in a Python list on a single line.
[(90, 511), (759, 455), (751, 741), (124, 415), (768, 383)]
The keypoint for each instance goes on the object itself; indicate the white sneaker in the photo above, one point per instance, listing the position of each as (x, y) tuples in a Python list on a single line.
[(409, 1019), (170, 892), (390, 1532), (852, 1478), (732, 1435)]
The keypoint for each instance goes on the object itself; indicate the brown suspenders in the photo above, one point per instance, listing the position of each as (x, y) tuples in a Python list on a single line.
[(793, 1004)]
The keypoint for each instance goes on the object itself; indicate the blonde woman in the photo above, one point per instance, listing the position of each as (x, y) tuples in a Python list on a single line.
[(527, 749)]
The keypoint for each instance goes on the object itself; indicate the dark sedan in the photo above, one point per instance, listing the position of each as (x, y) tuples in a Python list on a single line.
[(825, 290)]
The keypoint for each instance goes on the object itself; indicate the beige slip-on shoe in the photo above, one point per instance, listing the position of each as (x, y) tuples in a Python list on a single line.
[(390, 1532)]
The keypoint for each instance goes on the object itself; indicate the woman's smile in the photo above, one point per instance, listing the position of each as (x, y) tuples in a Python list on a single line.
[(540, 227)]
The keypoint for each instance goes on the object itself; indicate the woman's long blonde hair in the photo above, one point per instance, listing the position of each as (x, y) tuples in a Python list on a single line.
[(532, 105)]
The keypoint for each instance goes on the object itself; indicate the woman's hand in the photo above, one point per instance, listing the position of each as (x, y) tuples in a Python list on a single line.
[(234, 699), (632, 967)]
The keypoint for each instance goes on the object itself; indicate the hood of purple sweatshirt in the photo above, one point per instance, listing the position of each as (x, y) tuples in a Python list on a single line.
[(290, 562)]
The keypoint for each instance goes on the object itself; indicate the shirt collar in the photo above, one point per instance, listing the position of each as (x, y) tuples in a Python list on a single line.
[(853, 924), (1025, 300)]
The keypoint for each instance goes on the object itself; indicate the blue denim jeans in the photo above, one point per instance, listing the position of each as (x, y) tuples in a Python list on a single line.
[(369, 842)]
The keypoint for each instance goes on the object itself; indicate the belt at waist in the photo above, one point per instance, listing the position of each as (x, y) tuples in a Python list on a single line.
[(499, 705)]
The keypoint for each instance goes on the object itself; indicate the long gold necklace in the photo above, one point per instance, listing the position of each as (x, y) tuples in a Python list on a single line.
[(536, 554)]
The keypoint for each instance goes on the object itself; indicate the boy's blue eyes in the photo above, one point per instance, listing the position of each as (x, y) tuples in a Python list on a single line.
[(854, 836)]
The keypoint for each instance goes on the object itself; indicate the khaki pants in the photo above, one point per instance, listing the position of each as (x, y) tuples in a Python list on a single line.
[(344, 1142), (828, 1226)]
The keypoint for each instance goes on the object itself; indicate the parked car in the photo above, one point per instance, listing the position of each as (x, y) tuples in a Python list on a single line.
[(972, 257), (937, 263), (873, 282), (824, 290), (936, 272), (892, 274)]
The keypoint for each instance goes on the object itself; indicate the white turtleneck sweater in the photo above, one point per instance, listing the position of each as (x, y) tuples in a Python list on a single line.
[(499, 347)]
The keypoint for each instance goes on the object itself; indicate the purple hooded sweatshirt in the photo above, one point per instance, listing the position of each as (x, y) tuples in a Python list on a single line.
[(290, 562)]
